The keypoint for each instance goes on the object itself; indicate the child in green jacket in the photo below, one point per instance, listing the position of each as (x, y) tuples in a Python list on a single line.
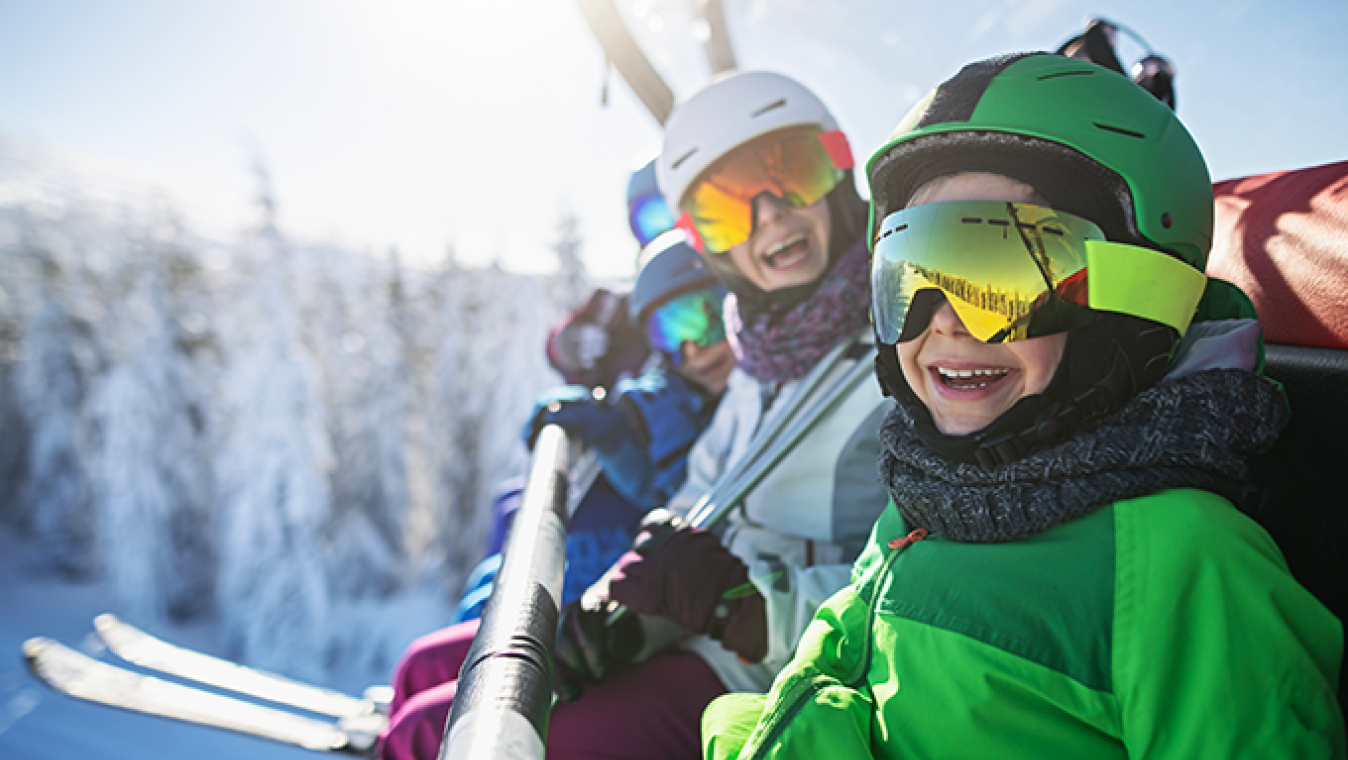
[(1062, 571)]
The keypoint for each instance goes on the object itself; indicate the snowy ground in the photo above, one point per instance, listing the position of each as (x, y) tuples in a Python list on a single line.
[(36, 723)]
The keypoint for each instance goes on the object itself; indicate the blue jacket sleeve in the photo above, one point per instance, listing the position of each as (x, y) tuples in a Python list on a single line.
[(642, 433), (671, 414)]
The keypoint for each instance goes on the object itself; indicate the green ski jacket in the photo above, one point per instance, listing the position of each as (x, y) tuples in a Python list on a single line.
[(1165, 626)]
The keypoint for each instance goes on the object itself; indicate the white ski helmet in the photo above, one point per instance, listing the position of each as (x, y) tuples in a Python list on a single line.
[(727, 114)]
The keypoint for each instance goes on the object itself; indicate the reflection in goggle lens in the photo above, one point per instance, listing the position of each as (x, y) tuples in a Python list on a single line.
[(1011, 271), (694, 316), (793, 165)]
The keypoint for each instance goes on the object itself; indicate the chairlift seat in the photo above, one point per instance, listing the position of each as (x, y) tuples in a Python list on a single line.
[(1283, 238)]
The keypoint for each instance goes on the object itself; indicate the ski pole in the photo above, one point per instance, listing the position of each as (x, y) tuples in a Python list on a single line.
[(505, 687), (766, 434), (584, 472), (730, 490), (658, 633)]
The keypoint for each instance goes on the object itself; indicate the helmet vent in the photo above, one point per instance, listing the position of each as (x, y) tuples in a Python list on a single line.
[(1121, 131), (769, 107), (1079, 73), (676, 163)]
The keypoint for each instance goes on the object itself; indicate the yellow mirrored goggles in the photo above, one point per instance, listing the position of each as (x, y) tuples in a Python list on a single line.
[(1013, 271), (798, 165)]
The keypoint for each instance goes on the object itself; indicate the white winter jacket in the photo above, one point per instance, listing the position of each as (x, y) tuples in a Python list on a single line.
[(801, 527)]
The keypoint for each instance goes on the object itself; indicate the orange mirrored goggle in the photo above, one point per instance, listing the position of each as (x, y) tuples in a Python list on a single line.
[(798, 165)]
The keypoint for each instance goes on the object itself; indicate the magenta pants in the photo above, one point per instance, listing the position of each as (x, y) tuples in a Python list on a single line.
[(650, 711)]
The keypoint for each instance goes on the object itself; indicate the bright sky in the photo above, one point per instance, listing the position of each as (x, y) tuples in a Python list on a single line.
[(423, 124)]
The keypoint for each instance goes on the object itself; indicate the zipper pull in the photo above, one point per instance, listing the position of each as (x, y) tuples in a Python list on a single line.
[(908, 540)]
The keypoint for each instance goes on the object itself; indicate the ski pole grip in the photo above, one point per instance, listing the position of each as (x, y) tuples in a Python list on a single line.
[(505, 687)]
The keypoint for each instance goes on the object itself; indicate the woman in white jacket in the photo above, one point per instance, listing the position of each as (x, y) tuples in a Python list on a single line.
[(760, 178)]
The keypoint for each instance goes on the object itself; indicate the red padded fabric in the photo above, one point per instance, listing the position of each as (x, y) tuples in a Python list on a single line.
[(1283, 238)]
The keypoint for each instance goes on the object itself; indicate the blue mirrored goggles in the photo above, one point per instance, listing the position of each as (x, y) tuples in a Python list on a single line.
[(692, 317), (649, 217)]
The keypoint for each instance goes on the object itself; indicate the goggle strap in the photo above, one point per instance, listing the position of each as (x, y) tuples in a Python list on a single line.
[(838, 149), (1142, 282)]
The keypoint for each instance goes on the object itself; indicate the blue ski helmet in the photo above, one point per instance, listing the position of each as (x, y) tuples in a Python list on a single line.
[(669, 268), (647, 212)]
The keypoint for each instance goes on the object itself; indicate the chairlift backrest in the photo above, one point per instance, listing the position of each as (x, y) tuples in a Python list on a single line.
[(1283, 238)]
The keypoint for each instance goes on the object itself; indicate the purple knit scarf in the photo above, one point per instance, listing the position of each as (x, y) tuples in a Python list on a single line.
[(784, 346)]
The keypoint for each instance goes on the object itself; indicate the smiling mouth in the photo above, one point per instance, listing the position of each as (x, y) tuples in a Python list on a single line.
[(788, 252), (970, 379)]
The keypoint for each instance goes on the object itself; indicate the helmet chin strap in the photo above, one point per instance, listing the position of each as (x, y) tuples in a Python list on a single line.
[(1039, 422), (1104, 366)]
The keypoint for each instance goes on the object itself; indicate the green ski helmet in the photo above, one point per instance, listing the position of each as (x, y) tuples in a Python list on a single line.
[(1135, 160), (1094, 144)]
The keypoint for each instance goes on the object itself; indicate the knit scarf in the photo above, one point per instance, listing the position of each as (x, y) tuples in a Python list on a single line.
[(783, 346), (1192, 432)]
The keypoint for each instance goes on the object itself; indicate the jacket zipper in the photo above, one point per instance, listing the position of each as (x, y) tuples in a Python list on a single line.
[(794, 699), (903, 542)]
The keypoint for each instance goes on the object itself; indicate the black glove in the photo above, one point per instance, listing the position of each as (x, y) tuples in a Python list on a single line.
[(684, 574), (595, 637)]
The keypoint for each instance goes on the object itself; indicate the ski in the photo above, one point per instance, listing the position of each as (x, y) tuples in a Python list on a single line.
[(81, 676), (140, 648)]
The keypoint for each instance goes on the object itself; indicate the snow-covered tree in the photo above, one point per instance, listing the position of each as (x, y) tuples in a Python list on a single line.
[(273, 473), (572, 280), (51, 384), (154, 526), (289, 436), (14, 435), (372, 392), (493, 365)]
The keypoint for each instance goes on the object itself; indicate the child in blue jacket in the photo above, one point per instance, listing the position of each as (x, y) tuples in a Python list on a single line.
[(640, 433)]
